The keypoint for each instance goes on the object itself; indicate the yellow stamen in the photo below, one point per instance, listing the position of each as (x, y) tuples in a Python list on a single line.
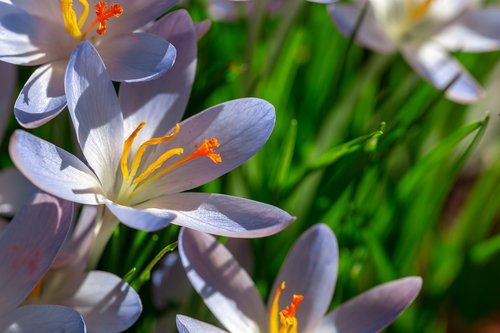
[(127, 145), (72, 26), (286, 317), (418, 11), (207, 148), (37, 290), (154, 141), (102, 15)]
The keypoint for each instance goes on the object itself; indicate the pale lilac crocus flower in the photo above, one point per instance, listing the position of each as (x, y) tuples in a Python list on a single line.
[(300, 296), (28, 246), (139, 159), (45, 33), (426, 32), (106, 302)]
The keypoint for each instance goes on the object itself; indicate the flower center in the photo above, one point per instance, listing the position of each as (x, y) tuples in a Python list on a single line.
[(138, 182), (74, 26), (287, 321), (418, 9)]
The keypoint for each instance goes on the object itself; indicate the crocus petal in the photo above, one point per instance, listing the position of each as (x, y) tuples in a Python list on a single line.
[(54, 170), (161, 102), (373, 310), (137, 14), (95, 112), (477, 31), (42, 319), (211, 213), (16, 190), (107, 303), (137, 57), (186, 324), (202, 28), (436, 66), (29, 245), (310, 270), (225, 287), (241, 126), (369, 34), (8, 85), (28, 39), (223, 10), (42, 97)]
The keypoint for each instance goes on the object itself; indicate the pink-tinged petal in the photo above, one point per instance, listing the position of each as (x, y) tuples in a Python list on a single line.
[(202, 28), (369, 34), (186, 324), (136, 14), (241, 127), (107, 303), (95, 113), (137, 57), (227, 290), (435, 65), (161, 102), (223, 10), (211, 213), (54, 170), (477, 31), (29, 245), (8, 86), (42, 97), (28, 39), (373, 310), (310, 270), (42, 319), (16, 190)]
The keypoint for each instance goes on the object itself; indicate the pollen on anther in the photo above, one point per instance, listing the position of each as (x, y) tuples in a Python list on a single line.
[(103, 14)]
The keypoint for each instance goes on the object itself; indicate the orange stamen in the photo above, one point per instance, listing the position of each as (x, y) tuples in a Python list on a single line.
[(418, 11), (287, 317), (103, 14)]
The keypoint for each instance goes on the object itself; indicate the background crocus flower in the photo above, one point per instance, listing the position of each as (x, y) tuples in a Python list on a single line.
[(301, 294), (141, 186), (105, 301), (426, 32), (28, 247), (46, 33)]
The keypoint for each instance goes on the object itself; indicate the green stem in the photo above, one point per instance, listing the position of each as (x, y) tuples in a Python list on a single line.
[(106, 224)]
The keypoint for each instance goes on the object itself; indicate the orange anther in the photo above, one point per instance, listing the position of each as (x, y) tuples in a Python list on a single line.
[(103, 14)]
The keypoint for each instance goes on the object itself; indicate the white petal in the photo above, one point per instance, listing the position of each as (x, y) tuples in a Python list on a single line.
[(224, 286), (42, 319), (369, 34), (107, 303), (137, 57), (310, 270), (373, 310), (54, 170), (161, 102), (436, 66), (190, 325), (42, 97), (95, 113)]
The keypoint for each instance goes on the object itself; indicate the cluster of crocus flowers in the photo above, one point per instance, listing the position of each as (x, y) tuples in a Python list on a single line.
[(300, 296), (426, 32), (46, 33)]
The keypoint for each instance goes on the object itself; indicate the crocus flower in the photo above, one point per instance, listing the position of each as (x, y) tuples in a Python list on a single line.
[(28, 246), (106, 302), (139, 162), (46, 33), (301, 294), (426, 32)]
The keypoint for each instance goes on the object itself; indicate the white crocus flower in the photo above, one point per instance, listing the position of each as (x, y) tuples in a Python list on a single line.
[(45, 33), (139, 163), (301, 294), (426, 32)]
